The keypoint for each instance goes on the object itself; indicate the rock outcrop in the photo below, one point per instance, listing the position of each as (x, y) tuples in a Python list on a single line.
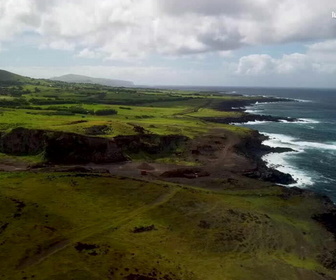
[(150, 143), (71, 148), (75, 148), (61, 147), (251, 147), (245, 117), (22, 141)]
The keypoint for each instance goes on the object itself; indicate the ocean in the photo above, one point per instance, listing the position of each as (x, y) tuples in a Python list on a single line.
[(313, 139)]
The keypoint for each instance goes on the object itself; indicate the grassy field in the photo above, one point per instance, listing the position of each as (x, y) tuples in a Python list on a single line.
[(62, 226), (158, 111), (77, 226)]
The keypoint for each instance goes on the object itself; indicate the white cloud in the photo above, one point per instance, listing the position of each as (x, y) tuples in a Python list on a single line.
[(122, 29), (319, 58), (86, 53), (262, 64), (255, 64), (292, 63)]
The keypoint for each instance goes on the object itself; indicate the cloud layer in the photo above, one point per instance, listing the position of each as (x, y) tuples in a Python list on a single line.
[(174, 41), (122, 29)]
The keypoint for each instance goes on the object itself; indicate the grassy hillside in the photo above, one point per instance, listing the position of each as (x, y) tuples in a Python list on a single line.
[(6, 76), (87, 226), (71, 78)]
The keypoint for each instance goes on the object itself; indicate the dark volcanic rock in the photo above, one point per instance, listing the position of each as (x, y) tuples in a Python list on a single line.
[(150, 143), (244, 118), (61, 147), (328, 220), (270, 175), (98, 130), (240, 104), (22, 141), (75, 148), (252, 148), (72, 148), (143, 229)]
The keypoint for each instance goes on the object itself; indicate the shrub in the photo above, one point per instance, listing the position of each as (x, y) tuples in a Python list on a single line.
[(106, 112)]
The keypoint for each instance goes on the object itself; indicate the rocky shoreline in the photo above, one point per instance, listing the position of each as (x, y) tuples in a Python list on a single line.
[(252, 147), (240, 106), (247, 117)]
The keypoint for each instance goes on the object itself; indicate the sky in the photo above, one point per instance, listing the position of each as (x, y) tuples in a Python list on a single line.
[(269, 43)]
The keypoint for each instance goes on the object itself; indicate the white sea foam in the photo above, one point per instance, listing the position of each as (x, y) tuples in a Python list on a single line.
[(302, 121), (280, 140), (302, 100), (250, 123), (265, 103), (252, 110), (307, 121), (280, 161)]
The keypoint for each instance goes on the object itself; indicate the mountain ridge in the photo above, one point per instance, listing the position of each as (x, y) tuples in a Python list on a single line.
[(6, 76), (73, 78)]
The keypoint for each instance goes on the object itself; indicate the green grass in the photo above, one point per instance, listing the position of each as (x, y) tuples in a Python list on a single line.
[(198, 234), (158, 111)]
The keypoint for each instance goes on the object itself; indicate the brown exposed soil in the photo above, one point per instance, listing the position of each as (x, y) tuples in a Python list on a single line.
[(146, 166), (189, 173)]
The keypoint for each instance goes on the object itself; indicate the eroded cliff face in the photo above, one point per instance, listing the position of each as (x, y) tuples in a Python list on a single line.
[(22, 141), (72, 148), (75, 148), (61, 147), (150, 143)]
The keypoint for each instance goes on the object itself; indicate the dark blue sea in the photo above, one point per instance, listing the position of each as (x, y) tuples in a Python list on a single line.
[(313, 138)]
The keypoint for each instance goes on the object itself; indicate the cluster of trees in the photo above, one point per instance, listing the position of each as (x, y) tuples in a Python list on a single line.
[(17, 102), (82, 111), (106, 112), (49, 101), (16, 91)]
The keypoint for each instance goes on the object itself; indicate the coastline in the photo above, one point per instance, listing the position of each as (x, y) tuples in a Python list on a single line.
[(293, 161), (228, 197)]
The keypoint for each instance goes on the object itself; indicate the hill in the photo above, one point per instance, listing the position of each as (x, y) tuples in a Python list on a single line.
[(6, 76), (71, 78)]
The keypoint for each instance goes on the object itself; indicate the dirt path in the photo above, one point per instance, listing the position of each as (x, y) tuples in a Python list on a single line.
[(194, 109), (89, 231)]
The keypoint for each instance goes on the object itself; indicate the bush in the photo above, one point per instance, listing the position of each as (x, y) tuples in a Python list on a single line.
[(80, 110), (106, 112)]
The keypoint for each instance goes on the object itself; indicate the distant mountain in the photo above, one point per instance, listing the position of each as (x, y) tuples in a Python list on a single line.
[(71, 78), (6, 76)]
